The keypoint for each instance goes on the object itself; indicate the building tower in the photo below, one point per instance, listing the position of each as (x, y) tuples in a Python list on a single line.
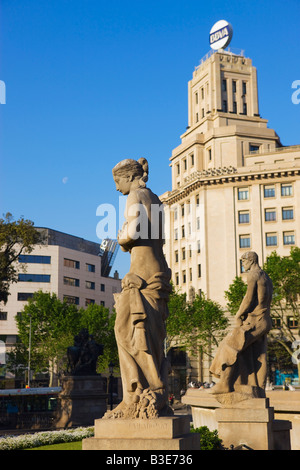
[(234, 186)]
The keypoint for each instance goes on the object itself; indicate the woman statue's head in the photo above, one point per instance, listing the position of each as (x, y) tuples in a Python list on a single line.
[(128, 171)]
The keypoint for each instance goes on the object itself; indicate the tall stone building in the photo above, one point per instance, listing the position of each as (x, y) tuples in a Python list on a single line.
[(235, 187)]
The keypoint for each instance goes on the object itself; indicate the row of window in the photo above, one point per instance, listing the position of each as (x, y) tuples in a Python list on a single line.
[(190, 252), (269, 191), (41, 259), (24, 296), (270, 215), (68, 281), (184, 275), (271, 239)]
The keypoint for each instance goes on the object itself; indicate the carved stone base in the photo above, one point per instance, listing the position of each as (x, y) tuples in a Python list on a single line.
[(81, 400), (251, 424), (169, 433)]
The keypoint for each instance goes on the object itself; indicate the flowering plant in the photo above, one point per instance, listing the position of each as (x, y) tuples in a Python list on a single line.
[(26, 441)]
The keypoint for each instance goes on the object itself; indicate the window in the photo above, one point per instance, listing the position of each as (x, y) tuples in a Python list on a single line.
[(243, 194), (182, 210), (287, 189), (199, 270), (25, 295), (197, 201), (202, 93), (198, 246), (34, 277), (233, 86), (202, 112), (270, 215), (35, 259), (90, 268), (183, 277), (176, 279), (192, 160), (178, 169), (89, 302), (176, 234), (242, 269), (70, 263), (292, 322), (197, 117), (70, 281), (209, 154), (102, 287), (254, 148), (183, 253), (244, 88), (198, 223), (175, 213), (271, 239), (182, 231), (191, 274), (276, 322), (184, 164), (70, 299), (244, 108), (244, 241), (269, 190), (288, 238), (224, 106), (190, 251), (224, 85), (3, 316), (287, 213), (234, 107), (196, 98), (176, 256), (244, 217), (89, 285)]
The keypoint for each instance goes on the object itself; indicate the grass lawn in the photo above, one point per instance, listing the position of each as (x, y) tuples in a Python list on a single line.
[(77, 445)]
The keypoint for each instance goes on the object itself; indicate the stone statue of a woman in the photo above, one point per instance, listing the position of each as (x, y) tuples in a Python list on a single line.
[(142, 305)]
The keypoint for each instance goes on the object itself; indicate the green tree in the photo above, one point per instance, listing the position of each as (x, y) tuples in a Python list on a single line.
[(100, 323), (193, 325), (285, 274), (235, 294), (53, 325), (16, 237)]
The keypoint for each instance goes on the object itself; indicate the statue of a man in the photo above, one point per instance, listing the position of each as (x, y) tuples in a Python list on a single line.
[(240, 362), (142, 305)]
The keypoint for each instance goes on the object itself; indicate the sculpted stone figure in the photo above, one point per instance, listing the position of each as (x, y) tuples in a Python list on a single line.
[(142, 305), (240, 361), (82, 357)]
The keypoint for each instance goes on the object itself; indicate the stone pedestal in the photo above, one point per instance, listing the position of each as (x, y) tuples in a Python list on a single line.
[(165, 433), (251, 424), (82, 399)]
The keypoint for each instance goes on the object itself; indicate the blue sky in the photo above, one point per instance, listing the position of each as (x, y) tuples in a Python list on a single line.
[(90, 82)]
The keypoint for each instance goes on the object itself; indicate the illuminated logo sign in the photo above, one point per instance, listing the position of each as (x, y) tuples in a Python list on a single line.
[(220, 35)]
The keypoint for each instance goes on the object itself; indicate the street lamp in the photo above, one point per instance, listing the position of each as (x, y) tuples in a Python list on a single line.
[(111, 377), (29, 353)]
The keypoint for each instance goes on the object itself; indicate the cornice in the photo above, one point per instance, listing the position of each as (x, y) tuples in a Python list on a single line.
[(223, 176)]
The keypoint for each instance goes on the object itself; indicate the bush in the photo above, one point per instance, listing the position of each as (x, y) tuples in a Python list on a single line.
[(209, 440), (27, 441)]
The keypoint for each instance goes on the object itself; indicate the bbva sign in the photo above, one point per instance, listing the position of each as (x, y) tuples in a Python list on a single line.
[(220, 35)]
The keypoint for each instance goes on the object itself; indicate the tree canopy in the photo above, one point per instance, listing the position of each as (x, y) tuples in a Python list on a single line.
[(16, 237)]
